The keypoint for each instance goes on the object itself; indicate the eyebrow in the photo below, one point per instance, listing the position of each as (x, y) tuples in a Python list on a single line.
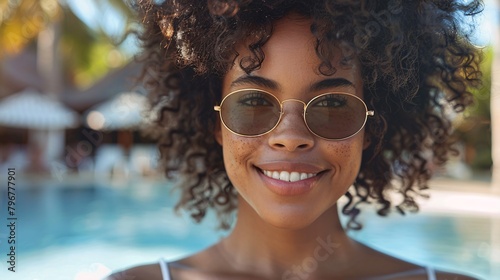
[(257, 81), (272, 85), (331, 83)]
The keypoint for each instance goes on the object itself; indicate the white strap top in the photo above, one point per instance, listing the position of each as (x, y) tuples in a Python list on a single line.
[(165, 272), (431, 274)]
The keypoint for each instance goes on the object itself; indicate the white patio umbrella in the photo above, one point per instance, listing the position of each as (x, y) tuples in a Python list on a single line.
[(126, 111), (44, 118), (33, 110)]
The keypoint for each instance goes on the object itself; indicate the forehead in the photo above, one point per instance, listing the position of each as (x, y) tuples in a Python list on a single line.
[(291, 59)]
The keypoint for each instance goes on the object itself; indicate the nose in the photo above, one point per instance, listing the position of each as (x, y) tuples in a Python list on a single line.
[(292, 134)]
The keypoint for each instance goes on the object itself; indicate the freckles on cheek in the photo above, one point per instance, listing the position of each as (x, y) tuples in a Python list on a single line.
[(347, 154), (237, 150), (341, 150), (239, 153)]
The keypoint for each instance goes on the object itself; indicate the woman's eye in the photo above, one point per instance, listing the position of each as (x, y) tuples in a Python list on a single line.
[(255, 100), (330, 101)]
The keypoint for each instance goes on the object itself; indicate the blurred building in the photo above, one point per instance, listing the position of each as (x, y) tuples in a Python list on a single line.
[(82, 149)]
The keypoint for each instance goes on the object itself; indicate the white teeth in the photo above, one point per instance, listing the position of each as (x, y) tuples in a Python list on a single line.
[(287, 176), (294, 176), (284, 176)]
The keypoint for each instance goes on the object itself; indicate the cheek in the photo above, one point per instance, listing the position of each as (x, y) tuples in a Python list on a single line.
[(347, 155), (237, 151)]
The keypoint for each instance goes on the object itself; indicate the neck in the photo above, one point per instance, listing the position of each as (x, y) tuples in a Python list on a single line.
[(257, 246)]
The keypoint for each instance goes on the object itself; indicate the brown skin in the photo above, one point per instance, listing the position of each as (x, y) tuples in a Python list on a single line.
[(275, 234)]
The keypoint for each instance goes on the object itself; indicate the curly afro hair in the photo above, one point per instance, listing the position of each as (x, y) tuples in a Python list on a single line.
[(418, 67)]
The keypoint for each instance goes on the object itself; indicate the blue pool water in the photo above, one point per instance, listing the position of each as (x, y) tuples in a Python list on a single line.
[(86, 231)]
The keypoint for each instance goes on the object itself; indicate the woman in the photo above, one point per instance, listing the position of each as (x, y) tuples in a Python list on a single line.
[(276, 109)]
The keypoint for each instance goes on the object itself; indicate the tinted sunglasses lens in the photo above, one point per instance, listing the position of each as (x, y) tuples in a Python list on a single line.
[(250, 112), (335, 116)]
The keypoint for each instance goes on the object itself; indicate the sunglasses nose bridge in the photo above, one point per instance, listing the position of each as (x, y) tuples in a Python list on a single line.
[(282, 109), (290, 100)]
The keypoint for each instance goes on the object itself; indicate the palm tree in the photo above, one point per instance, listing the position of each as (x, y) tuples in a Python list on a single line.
[(58, 30), (22, 21)]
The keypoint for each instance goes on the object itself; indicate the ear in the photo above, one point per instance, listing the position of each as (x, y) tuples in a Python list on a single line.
[(218, 131), (367, 141)]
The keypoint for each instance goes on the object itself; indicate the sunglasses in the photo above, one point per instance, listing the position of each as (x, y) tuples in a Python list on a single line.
[(331, 116)]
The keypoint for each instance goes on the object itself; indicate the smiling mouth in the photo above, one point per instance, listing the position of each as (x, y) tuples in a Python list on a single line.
[(288, 176)]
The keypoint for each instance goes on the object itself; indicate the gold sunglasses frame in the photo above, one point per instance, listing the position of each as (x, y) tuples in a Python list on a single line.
[(369, 113)]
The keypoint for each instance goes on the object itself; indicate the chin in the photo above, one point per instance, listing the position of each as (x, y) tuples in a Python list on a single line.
[(289, 218)]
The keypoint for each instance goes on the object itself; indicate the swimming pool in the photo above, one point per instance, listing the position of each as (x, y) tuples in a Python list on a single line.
[(85, 231)]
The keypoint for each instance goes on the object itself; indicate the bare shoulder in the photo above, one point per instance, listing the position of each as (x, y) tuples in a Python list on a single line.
[(441, 275), (142, 272), (197, 266), (384, 264)]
